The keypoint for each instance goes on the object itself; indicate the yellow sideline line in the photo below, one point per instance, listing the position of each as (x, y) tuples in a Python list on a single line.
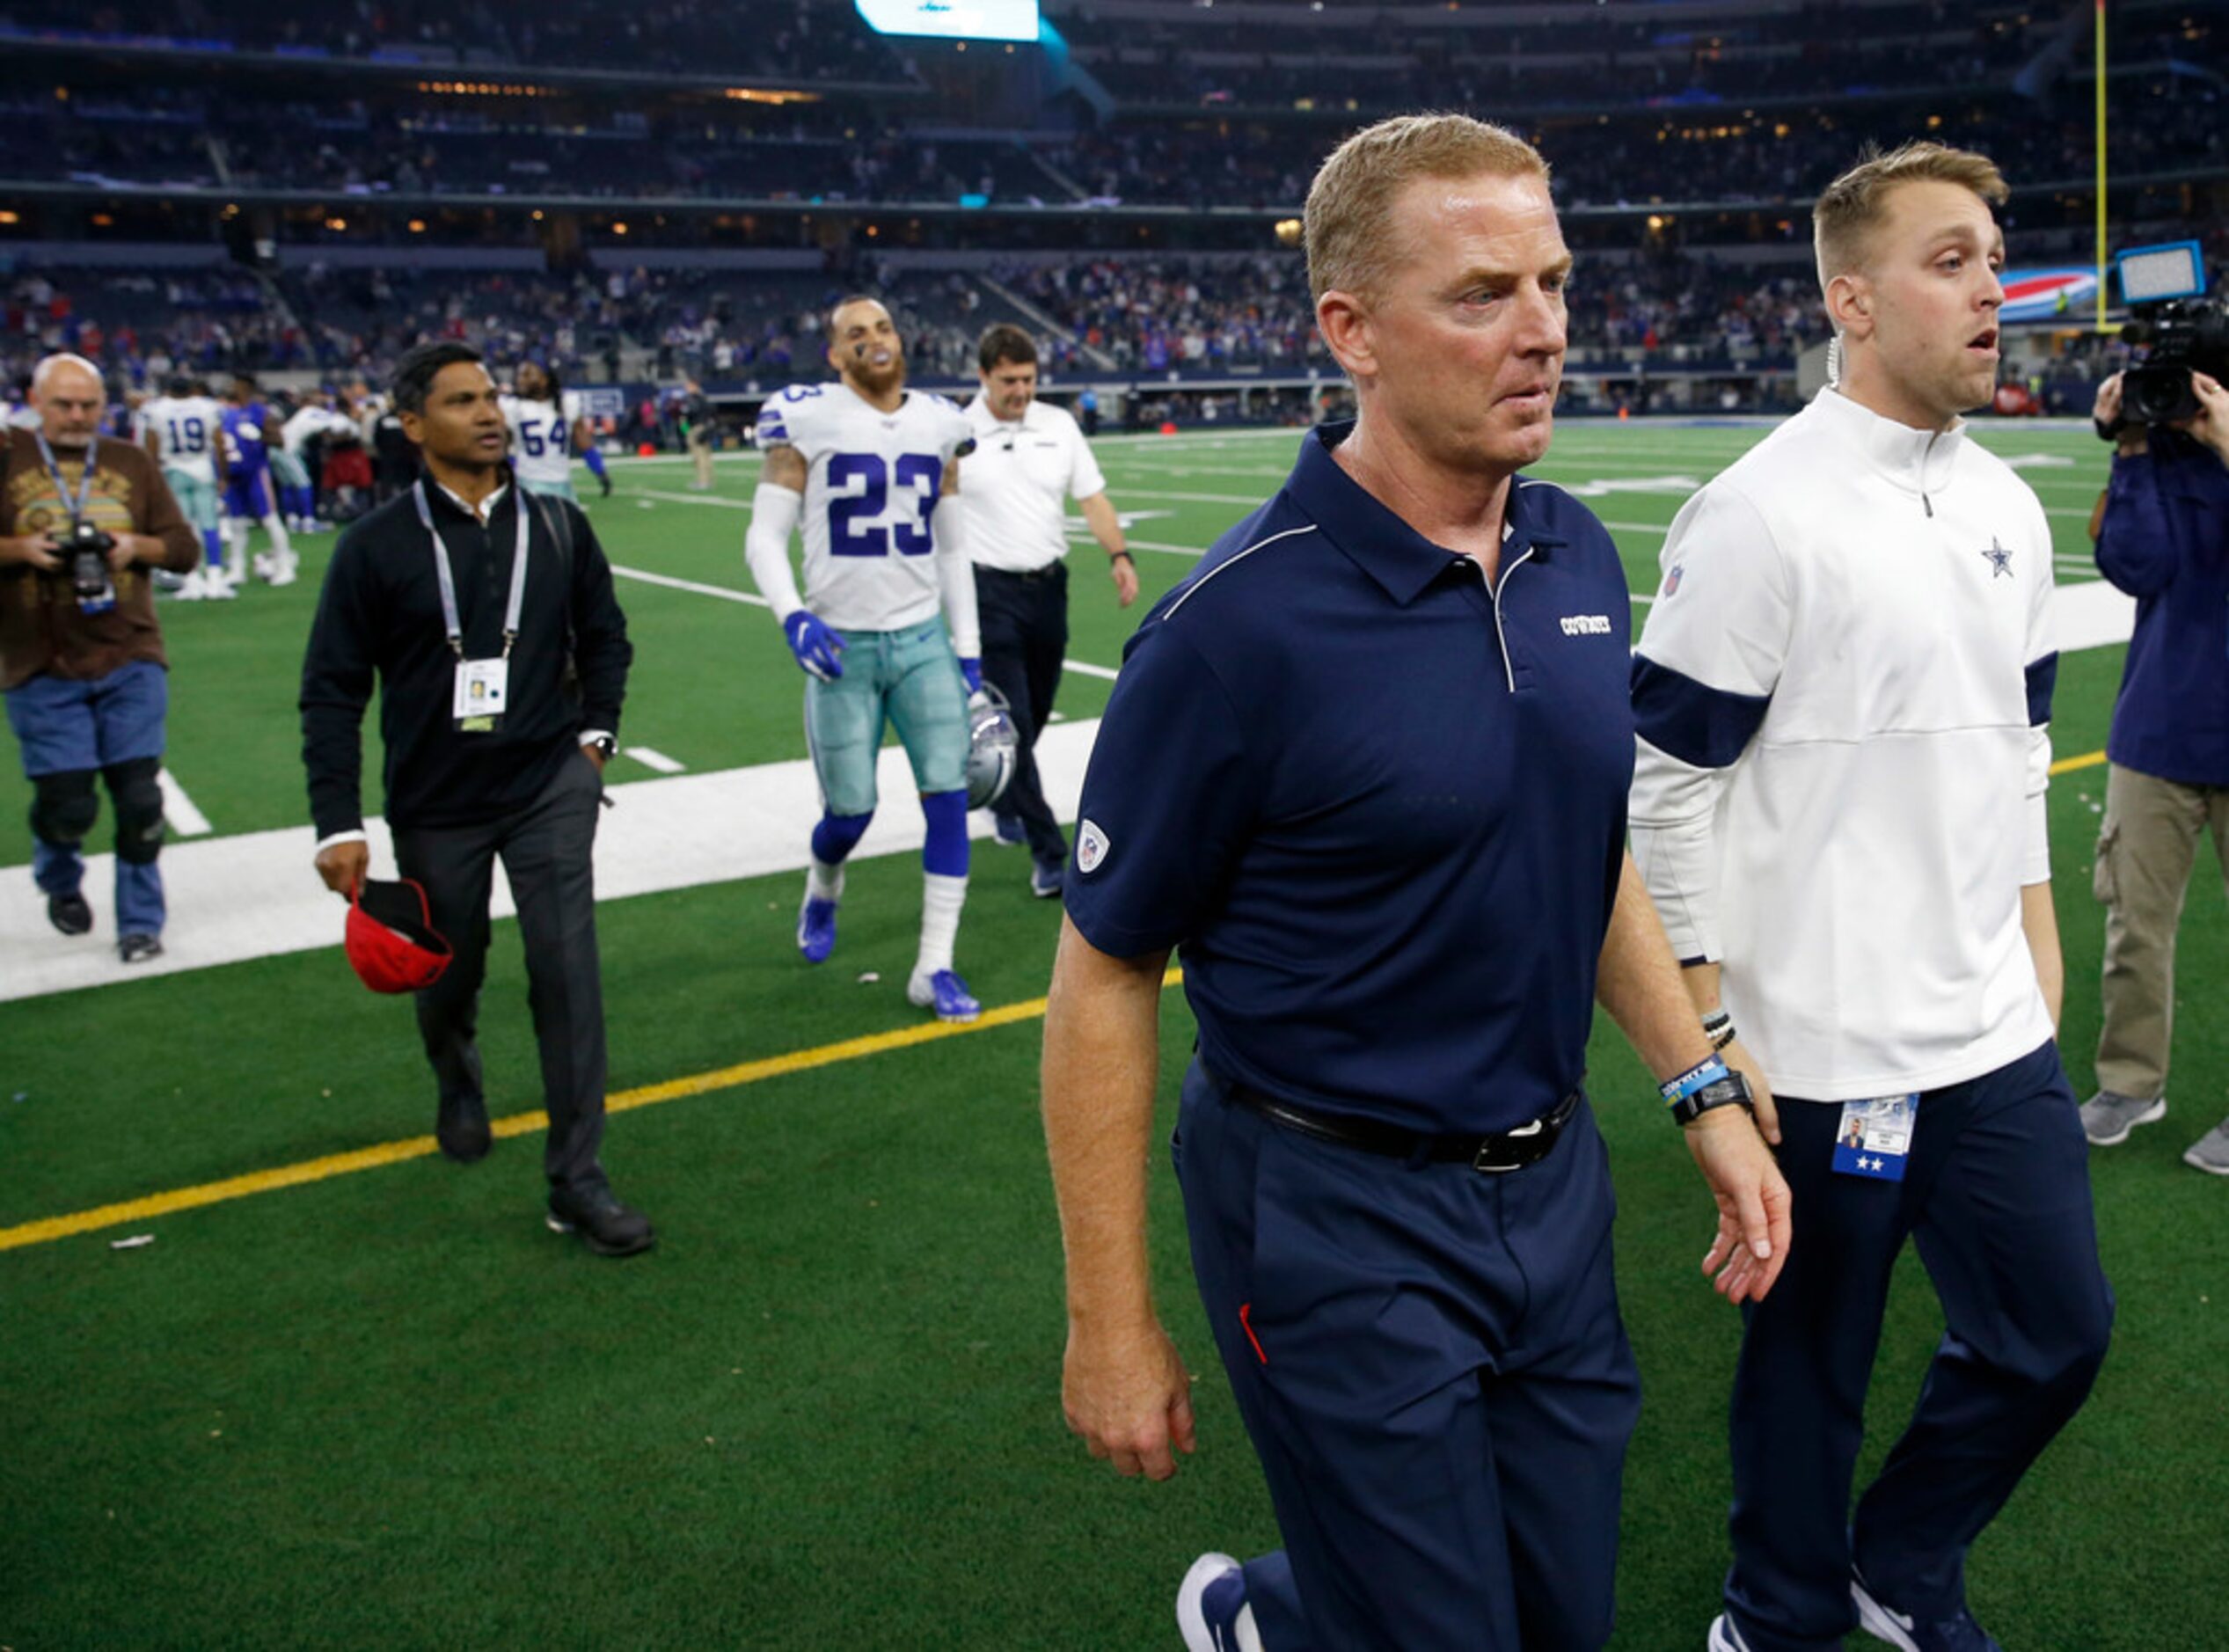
[(157, 1204), (49, 1229)]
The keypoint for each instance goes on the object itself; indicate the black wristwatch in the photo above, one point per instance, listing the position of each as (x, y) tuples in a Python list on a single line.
[(603, 746), (1730, 1091)]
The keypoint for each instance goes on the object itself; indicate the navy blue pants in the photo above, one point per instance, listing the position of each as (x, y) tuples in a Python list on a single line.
[(1432, 1368), (1997, 1195)]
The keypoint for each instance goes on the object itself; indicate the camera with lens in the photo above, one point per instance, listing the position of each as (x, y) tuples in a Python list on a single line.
[(2180, 336), (2179, 330), (84, 551)]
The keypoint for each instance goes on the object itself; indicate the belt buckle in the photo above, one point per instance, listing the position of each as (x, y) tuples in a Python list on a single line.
[(1479, 1164)]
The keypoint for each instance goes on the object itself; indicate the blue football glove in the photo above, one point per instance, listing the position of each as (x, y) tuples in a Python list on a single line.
[(971, 670), (818, 649)]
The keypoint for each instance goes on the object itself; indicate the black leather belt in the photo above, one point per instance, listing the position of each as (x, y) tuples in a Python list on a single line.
[(1027, 576), (1488, 1155)]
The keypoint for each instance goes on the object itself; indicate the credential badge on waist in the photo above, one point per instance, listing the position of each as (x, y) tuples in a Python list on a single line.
[(1873, 1139)]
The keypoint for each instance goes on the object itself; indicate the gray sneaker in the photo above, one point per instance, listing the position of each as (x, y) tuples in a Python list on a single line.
[(2107, 1116), (2210, 1152)]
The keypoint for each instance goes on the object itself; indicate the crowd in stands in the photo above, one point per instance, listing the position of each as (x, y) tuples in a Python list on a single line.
[(1382, 57), (711, 326), (1664, 160), (1149, 316), (350, 148), (792, 39)]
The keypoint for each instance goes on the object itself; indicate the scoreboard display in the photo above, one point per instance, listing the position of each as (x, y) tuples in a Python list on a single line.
[(953, 19)]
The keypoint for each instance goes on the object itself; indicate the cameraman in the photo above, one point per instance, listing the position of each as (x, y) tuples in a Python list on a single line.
[(81, 657), (2162, 537)]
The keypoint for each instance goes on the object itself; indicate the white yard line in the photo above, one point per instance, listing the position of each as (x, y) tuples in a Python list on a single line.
[(178, 810), (725, 592), (650, 758), (1079, 667), (688, 499), (255, 895)]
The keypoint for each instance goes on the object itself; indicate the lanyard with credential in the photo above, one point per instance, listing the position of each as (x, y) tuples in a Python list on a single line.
[(449, 580), (76, 506)]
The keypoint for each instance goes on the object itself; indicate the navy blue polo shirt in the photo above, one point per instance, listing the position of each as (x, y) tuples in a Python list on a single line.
[(1382, 821)]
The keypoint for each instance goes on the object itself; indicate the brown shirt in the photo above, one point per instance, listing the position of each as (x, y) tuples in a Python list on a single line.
[(42, 630)]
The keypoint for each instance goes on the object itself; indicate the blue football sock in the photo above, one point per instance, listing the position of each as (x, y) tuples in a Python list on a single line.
[(837, 835), (944, 854)]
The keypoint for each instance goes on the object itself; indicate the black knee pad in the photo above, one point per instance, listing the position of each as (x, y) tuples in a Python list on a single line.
[(63, 807), (139, 809)]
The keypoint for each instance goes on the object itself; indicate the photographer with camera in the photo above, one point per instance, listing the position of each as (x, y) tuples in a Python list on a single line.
[(2162, 535), (82, 523)]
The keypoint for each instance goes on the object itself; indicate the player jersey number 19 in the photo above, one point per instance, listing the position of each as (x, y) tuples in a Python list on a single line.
[(922, 472)]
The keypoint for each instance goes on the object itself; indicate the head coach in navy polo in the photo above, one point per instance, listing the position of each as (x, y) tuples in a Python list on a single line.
[(1844, 693), (476, 605), (1367, 768)]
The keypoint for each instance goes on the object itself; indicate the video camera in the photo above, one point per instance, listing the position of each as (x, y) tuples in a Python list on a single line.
[(2180, 330)]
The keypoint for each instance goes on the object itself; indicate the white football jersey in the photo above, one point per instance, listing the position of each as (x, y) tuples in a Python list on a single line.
[(870, 492), (541, 438), (310, 421), (186, 430)]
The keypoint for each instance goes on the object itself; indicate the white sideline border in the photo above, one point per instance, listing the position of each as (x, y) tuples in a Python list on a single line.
[(255, 895)]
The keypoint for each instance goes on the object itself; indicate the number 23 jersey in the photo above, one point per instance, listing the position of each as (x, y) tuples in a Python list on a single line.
[(871, 488)]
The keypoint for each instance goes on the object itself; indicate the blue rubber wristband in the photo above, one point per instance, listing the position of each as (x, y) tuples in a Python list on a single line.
[(1708, 1071)]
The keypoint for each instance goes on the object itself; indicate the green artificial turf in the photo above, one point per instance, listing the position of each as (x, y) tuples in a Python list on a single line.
[(390, 1408)]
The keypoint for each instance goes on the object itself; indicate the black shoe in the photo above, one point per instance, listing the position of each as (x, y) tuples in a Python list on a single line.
[(461, 1128), (139, 948), (605, 1225), (72, 914), (607, 486)]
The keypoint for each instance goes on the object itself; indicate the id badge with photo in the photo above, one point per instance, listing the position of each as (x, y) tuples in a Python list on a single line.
[(1873, 1139), (483, 686)]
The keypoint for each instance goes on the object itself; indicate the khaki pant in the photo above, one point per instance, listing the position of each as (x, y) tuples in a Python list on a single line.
[(701, 450), (2143, 858)]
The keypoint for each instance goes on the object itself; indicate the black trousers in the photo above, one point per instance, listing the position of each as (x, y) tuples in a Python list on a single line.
[(1024, 639), (546, 848)]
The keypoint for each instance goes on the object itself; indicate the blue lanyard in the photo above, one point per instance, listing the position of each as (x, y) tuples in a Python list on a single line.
[(77, 507)]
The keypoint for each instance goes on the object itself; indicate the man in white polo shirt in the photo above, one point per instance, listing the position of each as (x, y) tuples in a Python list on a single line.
[(1029, 458)]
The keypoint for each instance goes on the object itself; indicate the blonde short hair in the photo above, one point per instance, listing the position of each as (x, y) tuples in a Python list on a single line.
[(1351, 201), (1852, 207)]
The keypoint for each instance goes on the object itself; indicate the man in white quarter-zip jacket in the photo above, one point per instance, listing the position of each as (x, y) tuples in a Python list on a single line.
[(1843, 692)]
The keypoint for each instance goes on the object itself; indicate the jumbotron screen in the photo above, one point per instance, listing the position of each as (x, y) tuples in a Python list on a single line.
[(953, 19)]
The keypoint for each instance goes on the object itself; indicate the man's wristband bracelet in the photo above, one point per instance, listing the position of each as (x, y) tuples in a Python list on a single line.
[(1718, 1026), (1121, 556), (1731, 1091), (1707, 1070)]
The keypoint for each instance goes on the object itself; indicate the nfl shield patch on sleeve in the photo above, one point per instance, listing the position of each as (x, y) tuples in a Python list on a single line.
[(1091, 846)]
